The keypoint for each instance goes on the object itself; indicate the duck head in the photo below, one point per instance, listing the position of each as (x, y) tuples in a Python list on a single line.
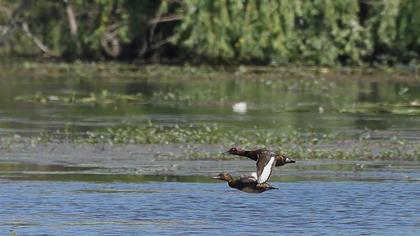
[(223, 176), (289, 160), (283, 160), (233, 150)]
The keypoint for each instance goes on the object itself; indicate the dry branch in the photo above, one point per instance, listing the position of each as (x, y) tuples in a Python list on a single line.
[(37, 42), (71, 18)]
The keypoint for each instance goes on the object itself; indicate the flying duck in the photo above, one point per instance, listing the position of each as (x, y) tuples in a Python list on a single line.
[(265, 159), (246, 183)]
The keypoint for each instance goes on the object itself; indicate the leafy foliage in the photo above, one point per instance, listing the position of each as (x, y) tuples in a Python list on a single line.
[(319, 32)]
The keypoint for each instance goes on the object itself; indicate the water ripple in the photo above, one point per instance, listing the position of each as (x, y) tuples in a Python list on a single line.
[(316, 207)]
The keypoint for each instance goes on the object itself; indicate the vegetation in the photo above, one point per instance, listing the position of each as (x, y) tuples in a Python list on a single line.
[(103, 98), (412, 108), (209, 97), (300, 145), (319, 32)]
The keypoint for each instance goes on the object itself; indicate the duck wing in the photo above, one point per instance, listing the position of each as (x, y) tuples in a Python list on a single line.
[(265, 163), (252, 175), (248, 180)]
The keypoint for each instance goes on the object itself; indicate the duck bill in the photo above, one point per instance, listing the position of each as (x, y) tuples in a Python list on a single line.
[(290, 160), (216, 177)]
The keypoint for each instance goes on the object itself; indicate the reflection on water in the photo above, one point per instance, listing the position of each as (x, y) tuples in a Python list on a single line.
[(164, 208), (305, 171), (278, 104)]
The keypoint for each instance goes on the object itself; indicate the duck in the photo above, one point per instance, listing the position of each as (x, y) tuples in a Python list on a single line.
[(266, 160), (247, 184)]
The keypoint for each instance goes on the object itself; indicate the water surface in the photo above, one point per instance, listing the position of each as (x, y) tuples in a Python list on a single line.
[(309, 104), (67, 190), (314, 198), (174, 208)]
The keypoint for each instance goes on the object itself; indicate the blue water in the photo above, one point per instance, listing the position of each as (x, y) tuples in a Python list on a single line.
[(173, 208)]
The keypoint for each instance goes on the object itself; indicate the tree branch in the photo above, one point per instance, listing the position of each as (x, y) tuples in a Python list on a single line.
[(71, 17), (110, 42), (37, 42), (13, 23), (160, 19)]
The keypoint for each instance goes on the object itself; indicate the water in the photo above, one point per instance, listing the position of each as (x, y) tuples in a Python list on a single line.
[(173, 208), (61, 189), (287, 104), (314, 198)]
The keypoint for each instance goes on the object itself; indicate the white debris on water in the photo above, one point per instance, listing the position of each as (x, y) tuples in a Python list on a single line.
[(240, 107)]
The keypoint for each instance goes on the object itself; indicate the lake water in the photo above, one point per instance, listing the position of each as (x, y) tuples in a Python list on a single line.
[(309, 104), (176, 208), (314, 197)]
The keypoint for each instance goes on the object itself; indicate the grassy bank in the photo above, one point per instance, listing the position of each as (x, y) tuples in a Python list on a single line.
[(42, 69)]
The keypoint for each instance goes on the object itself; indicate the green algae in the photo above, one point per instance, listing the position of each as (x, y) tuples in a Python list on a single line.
[(297, 144), (102, 98)]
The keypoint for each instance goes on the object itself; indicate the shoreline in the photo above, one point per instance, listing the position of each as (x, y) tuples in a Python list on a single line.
[(144, 71)]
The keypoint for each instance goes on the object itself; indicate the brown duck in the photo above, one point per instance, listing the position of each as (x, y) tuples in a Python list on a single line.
[(246, 184), (265, 159)]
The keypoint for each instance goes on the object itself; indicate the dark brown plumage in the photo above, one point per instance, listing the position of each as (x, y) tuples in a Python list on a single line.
[(246, 184), (265, 159), (253, 154)]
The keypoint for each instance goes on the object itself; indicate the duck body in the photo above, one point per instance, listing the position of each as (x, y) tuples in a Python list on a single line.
[(253, 155), (265, 159), (245, 184)]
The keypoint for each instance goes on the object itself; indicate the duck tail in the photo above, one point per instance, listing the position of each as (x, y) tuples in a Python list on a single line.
[(271, 187)]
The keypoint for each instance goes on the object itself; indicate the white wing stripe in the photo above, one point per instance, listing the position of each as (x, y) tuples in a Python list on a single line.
[(266, 171), (254, 175)]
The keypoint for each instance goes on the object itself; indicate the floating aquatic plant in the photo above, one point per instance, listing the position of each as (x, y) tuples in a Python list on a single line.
[(300, 145), (103, 98)]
